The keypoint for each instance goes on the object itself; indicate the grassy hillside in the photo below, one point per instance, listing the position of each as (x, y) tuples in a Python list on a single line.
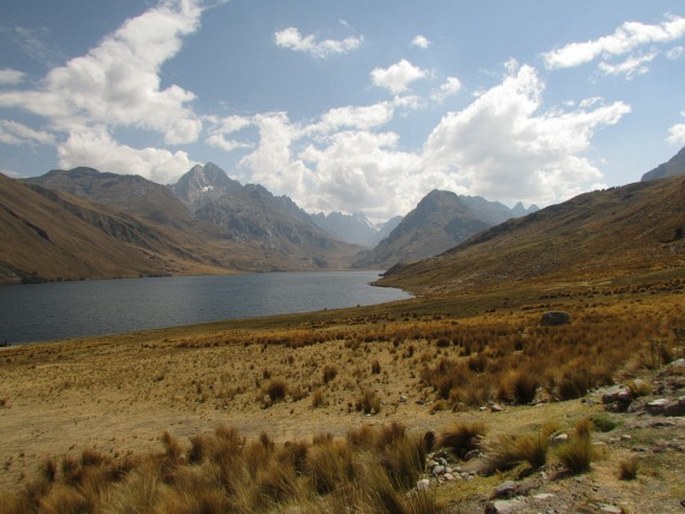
[(599, 235)]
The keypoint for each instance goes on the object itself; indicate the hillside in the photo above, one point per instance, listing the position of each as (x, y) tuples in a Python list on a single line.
[(440, 221), (603, 234), (353, 228), (54, 235)]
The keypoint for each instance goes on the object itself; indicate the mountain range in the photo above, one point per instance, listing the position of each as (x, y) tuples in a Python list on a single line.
[(82, 223)]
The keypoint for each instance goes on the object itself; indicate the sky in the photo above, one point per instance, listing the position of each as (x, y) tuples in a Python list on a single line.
[(352, 106)]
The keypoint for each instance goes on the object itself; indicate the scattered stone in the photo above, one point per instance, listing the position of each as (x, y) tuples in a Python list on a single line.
[(449, 477), (554, 318), (543, 496), (496, 408), (423, 484), (438, 470), (616, 393), (611, 509), (504, 507), (626, 437), (678, 363), (505, 490)]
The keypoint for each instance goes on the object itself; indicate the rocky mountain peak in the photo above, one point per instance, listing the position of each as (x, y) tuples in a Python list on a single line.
[(674, 166)]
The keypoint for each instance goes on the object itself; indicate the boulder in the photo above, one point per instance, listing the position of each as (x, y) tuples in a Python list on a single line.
[(554, 318)]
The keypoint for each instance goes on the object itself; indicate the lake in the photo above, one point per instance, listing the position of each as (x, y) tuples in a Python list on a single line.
[(59, 310)]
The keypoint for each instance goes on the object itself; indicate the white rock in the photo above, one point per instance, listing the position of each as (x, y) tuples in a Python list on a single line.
[(423, 484)]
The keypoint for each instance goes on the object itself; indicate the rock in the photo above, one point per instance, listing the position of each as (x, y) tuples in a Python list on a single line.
[(504, 507), (496, 408), (666, 407), (678, 363), (423, 484), (473, 454), (556, 439), (448, 476), (617, 393), (554, 318), (543, 496), (505, 490), (438, 470)]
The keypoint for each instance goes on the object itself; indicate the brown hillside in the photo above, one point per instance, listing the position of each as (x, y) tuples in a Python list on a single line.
[(598, 235), (51, 235)]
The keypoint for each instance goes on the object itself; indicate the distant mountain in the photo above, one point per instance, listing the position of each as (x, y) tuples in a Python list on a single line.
[(355, 228), (675, 166), (440, 221), (594, 236), (203, 184), (131, 194), (253, 216), (385, 229)]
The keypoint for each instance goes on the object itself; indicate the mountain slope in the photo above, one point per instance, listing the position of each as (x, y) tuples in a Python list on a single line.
[(596, 235), (52, 235), (251, 216), (440, 221), (675, 166), (128, 193)]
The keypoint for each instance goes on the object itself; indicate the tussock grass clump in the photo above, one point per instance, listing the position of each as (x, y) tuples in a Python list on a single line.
[(577, 453), (508, 451), (462, 438), (318, 399), (369, 402), (329, 373), (628, 468)]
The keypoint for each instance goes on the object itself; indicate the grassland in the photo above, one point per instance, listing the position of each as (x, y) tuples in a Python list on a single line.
[(329, 411)]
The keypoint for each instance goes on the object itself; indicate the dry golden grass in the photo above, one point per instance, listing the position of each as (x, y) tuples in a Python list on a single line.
[(95, 409)]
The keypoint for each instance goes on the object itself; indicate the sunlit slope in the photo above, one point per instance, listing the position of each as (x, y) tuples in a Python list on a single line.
[(603, 234)]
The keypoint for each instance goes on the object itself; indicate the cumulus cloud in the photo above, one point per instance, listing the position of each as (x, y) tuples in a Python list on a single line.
[(420, 41), (118, 84), (675, 53), (292, 39), (626, 40), (448, 88), (13, 133), (95, 147), (397, 77), (676, 134), (502, 146), (10, 77)]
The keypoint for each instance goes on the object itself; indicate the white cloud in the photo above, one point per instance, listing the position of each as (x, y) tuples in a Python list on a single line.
[(226, 127), (95, 147), (675, 53), (292, 39), (448, 88), (628, 38), (397, 77), (676, 134), (10, 77), (13, 133), (420, 41), (502, 147), (359, 117), (631, 67), (118, 84)]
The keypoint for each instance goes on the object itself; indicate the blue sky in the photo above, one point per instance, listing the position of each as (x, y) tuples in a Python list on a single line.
[(349, 106)]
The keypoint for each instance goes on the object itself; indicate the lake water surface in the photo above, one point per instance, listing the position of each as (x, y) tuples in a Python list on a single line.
[(39, 312)]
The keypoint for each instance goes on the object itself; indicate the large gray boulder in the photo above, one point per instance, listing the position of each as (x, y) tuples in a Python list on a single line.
[(554, 318)]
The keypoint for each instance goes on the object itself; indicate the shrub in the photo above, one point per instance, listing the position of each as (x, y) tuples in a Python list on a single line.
[(573, 384), (603, 423), (523, 387), (639, 388)]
